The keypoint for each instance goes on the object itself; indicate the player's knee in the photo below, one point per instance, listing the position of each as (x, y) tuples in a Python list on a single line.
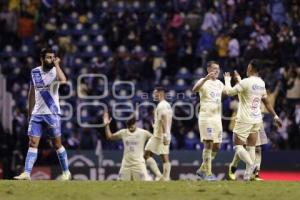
[(57, 144), (33, 143), (208, 144), (216, 148)]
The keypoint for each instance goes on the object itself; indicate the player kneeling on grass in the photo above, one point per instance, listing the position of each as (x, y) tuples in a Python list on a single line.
[(44, 112), (210, 90), (133, 164), (251, 91)]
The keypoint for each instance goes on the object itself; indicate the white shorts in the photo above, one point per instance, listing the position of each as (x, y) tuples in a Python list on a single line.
[(156, 146), (135, 173), (211, 130), (243, 130), (262, 137)]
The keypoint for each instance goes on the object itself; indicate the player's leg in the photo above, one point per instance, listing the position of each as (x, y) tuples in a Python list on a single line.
[(205, 168), (151, 147), (261, 140), (31, 157), (251, 141), (243, 155), (166, 166), (34, 133), (125, 174), (233, 167), (258, 158), (62, 157), (54, 130), (215, 149), (139, 173)]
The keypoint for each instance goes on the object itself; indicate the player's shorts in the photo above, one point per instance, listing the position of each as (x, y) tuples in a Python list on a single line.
[(243, 130), (136, 173), (48, 123), (210, 130), (262, 137), (156, 146)]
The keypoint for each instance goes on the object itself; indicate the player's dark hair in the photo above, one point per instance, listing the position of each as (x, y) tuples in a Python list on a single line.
[(160, 88), (210, 63), (256, 64), (44, 51), (131, 121)]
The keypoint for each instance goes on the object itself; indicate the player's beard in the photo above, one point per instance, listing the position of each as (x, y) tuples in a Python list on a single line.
[(47, 66)]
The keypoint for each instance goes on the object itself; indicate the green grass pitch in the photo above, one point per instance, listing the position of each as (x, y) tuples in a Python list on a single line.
[(174, 190)]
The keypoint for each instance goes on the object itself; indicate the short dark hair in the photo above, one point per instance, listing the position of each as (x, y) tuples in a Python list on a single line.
[(210, 63), (160, 88), (44, 51), (256, 64), (131, 121)]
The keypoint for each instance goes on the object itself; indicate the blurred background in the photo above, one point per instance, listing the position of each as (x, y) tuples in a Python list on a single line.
[(146, 42)]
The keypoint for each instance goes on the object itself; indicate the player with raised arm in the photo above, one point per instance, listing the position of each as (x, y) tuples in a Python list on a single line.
[(210, 90), (133, 166), (159, 143), (251, 91), (44, 112)]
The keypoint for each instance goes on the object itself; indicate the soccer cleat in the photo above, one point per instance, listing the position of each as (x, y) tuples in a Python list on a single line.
[(210, 178), (257, 177), (66, 176), (231, 173), (201, 174), (23, 176), (159, 178)]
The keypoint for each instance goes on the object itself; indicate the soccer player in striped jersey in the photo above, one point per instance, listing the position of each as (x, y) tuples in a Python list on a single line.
[(44, 112)]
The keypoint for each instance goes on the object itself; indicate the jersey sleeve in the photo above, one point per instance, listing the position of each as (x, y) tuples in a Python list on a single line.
[(201, 88), (241, 86), (119, 135), (147, 134)]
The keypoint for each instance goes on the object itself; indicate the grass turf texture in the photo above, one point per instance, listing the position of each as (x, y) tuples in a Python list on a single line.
[(175, 190)]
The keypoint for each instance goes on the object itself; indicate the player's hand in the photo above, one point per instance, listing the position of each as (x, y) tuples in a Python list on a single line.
[(278, 121), (227, 75), (210, 75), (56, 61), (237, 76), (106, 118)]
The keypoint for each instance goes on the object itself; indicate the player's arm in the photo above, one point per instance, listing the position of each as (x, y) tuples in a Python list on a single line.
[(31, 100), (148, 135), (228, 90), (164, 124), (201, 82), (108, 133), (61, 77), (271, 110)]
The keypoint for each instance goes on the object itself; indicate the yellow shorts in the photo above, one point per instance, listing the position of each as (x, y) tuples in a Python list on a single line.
[(156, 146), (210, 130), (136, 173), (243, 130)]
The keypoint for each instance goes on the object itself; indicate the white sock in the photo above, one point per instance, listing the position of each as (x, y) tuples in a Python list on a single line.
[(151, 163), (236, 160), (167, 170), (213, 155), (243, 154), (251, 151), (206, 156)]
